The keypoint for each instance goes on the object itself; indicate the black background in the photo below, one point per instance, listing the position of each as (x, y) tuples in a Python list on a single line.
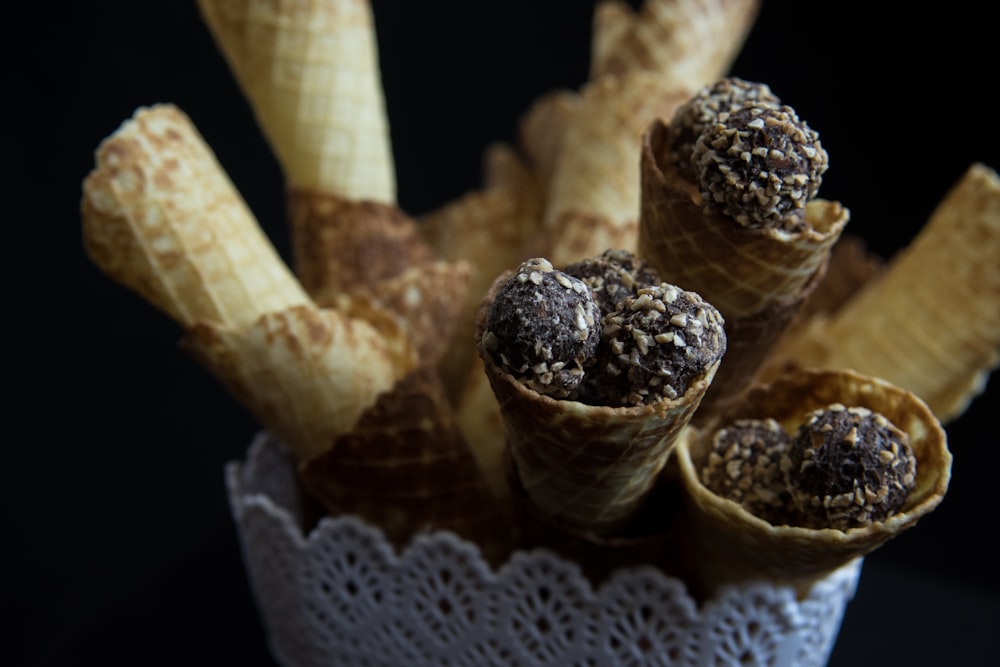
[(116, 533)]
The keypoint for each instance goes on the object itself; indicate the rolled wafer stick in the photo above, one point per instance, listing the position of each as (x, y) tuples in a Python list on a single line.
[(310, 71), (307, 374), (542, 132), (161, 216), (725, 543), (592, 202), (688, 42), (756, 274), (931, 322)]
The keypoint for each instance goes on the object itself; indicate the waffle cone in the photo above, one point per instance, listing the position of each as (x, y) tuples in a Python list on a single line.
[(941, 297), (739, 270), (406, 468), (690, 43), (726, 544), (649, 539), (596, 175), (757, 278), (364, 249), (306, 374), (587, 468), (310, 72), (161, 216)]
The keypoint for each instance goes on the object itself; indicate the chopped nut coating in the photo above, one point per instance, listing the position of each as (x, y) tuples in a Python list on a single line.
[(744, 465), (656, 345), (849, 467), (613, 276), (543, 328), (759, 164), (702, 110)]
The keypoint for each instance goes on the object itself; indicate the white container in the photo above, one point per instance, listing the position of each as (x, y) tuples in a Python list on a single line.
[(340, 596)]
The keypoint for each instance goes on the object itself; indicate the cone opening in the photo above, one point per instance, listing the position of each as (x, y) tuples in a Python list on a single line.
[(787, 399)]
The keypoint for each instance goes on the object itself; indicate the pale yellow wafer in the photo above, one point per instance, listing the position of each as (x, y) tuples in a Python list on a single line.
[(931, 322), (161, 216), (479, 418), (306, 374), (542, 129), (688, 42), (597, 171), (310, 71), (612, 20)]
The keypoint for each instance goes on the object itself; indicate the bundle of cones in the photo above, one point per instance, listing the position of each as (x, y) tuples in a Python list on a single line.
[(362, 356)]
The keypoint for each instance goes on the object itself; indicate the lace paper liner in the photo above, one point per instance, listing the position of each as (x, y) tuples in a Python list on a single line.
[(341, 596)]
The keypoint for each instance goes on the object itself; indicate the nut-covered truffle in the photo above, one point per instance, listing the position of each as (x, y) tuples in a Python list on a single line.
[(655, 345), (702, 110), (745, 466), (759, 164), (613, 276), (849, 467), (543, 327)]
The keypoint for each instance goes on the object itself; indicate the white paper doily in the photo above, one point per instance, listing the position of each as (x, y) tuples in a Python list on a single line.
[(340, 596)]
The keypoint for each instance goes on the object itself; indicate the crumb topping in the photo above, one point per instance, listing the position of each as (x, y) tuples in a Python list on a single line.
[(655, 345), (744, 465), (845, 467), (849, 467), (759, 164), (613, 276), (543, 327), (702, 110)]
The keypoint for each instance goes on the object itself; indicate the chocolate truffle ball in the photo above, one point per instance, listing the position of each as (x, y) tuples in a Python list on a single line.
[(656, 345), (613, 276), (543, 328), (760, 165), (744, 465), (849, 467), (702, 110)]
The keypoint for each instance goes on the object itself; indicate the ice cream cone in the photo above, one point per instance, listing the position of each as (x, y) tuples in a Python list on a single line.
[(585, 467), (161, 216), (757, 277), (406, 468), (310, 72), (593, 199), (941, 297), (688, 42), (726, 544)]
